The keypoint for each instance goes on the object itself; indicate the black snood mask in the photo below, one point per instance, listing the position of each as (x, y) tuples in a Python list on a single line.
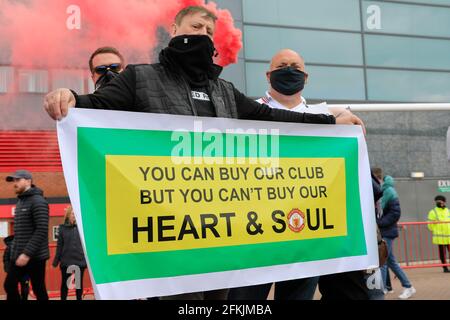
[(193, 54), (104, 79), (287, 81)]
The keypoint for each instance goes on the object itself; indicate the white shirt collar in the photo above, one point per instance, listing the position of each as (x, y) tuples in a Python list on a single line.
[(275, 104)]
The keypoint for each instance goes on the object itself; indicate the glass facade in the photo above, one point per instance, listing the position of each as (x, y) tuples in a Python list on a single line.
[(33, 81), (6, 79), (355, 50), (74, 79), (361, 51)]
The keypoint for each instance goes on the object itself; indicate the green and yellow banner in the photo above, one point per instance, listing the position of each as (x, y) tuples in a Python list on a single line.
[(174, 204)]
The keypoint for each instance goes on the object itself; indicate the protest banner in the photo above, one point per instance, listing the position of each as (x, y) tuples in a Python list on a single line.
[(171, 204)]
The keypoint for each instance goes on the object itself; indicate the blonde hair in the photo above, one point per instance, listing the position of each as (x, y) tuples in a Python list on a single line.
[(67, 211)]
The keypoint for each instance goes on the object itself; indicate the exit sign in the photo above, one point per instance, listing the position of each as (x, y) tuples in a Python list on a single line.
[(444, 186)]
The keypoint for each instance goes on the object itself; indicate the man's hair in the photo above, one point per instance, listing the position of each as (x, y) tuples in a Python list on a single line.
[(105, 50), (378, 172), (192, 10), (439, 197)]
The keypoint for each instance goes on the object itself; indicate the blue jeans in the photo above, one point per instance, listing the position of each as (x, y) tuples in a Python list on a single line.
[(392, 264)]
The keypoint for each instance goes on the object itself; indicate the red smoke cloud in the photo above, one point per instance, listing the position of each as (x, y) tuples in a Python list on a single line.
[(227, 38), (37, 32)]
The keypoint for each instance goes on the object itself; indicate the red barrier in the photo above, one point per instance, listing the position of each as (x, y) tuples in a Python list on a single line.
[(414, 247)]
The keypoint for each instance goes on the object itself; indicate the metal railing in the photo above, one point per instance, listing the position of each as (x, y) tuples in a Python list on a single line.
[(376, 107), (414, 247)]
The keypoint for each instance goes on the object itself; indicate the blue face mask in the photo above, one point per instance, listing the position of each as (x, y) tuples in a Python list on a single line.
[(287, 81)]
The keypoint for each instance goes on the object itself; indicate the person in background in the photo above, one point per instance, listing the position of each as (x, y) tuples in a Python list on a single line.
[(441, 231), (377, 174), (29, 251), (69, 253), (25, 281), (389, 230), (105, 64)]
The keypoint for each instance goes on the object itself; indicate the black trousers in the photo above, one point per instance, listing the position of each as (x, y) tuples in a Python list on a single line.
[(344, 286), (64, 289), (442, 248), (220, 294), (24, 288), (35, 269), (300, 289)]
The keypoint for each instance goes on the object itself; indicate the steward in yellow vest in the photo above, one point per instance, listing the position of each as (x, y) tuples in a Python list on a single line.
[(441, 231)]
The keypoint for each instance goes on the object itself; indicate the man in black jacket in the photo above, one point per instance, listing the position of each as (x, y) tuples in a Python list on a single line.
[(185, 82), (29, 250), (25, 281)]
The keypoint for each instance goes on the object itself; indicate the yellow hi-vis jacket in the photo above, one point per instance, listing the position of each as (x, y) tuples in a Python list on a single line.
[(441, 231)]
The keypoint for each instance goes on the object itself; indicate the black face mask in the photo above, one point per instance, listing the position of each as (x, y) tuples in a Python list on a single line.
[(104, 79), (287, 81), (193, 56), (440, 204)]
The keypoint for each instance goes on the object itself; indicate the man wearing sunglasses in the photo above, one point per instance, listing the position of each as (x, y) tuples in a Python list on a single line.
[(105, 64), (185, 82)]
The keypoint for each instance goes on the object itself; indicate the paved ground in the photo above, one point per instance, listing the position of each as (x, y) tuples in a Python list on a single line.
[(430, 283)]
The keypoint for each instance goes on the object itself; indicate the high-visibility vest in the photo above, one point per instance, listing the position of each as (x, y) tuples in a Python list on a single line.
[(441, 231)]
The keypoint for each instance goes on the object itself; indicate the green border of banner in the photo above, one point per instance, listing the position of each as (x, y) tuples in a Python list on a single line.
[(95, 143)]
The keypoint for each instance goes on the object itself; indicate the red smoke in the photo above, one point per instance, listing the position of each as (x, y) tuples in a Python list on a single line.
[(227, 38), (37, 34)]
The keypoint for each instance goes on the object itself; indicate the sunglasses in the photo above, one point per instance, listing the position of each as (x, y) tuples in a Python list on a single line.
[(115, 67)]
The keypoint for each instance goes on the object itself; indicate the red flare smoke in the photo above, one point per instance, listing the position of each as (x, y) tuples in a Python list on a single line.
[(37, 34)]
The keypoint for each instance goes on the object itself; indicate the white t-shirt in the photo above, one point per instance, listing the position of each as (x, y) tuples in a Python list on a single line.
[(320, 108)]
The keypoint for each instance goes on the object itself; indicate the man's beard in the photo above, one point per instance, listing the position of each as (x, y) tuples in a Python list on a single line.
[(20, 190)]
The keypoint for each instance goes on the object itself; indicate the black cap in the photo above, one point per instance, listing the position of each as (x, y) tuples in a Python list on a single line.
[(19, 174), (439, 197)]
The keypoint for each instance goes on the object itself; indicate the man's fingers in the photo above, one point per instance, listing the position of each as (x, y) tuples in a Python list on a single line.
[(54, 105), (46, 108), (58, 102), (64, 102), (49, 104), (350, 119), (359, 122)]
